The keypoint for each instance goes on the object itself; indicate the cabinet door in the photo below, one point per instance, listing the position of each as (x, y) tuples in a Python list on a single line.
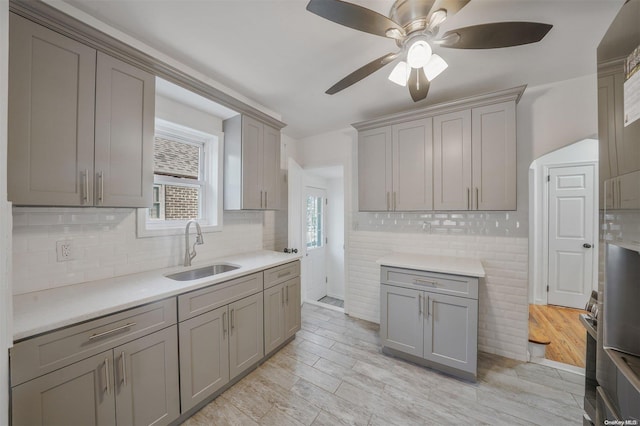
[(80, 394), (125, 110), (374, 170), (51, 114), (292, 301), (627, 137), (450, 331), (271, 168), (494, 157), (452, 161), (629, 191), (274, 317), (610, 193), (146, 375), (246, 334), (413, 166), (204, 356), (608, 164), (252, 163), (401, 322)]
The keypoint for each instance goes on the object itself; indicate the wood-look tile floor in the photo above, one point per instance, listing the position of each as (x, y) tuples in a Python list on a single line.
[(562, 327), (334, 373)]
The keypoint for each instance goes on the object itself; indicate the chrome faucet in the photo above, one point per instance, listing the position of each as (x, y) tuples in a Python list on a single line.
[(189, 255)]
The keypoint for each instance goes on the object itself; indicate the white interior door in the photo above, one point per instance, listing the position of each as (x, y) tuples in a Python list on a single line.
[(571, 235), (315, 241), (295, 177)]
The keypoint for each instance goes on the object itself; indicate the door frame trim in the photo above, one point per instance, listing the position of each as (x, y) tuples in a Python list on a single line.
[(546, 169)]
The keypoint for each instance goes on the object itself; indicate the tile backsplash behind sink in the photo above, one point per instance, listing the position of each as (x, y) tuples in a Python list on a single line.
[(104, 244)]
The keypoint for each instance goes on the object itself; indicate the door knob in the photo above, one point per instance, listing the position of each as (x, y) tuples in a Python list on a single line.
[(586, 245)]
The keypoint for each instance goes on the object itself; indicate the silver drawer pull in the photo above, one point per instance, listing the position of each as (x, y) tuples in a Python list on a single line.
[(114, 330), (124, 368), (284, 274), (107, 375), (424, 282)]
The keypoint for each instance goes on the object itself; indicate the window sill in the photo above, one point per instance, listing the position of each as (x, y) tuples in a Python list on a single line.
[(143, 230)]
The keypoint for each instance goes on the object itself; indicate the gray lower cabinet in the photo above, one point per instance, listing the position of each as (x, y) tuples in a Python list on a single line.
[(292, 318), (246, 334), (132, 384), (204, 356), (281, 313), (431, 318)]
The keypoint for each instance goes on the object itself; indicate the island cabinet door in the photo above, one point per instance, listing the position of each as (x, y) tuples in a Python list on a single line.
[(80, 394), (450, 336), (146, 376), (401, 321), (246, 333), (204, 356)]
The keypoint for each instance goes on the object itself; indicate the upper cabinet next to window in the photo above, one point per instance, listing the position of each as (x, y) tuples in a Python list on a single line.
[(80, 123), (251, 165)]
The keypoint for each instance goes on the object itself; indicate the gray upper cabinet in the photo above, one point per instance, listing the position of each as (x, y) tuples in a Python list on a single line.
[(125, 111), (51, 116), (395, 167), (452, 161), (251, 165), (374, 169), (459, 155), (493, 153), (80, 123), (608, 164)]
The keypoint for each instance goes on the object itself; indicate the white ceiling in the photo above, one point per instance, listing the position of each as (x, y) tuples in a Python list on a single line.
[(280, 55)]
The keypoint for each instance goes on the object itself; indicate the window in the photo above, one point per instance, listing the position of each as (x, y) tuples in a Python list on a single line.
[(315, 222), (187, 181)]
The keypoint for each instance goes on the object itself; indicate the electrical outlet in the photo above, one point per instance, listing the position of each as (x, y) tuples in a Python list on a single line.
[(64, 249)]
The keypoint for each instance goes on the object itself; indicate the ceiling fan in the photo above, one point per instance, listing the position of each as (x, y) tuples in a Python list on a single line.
[(414, 25)]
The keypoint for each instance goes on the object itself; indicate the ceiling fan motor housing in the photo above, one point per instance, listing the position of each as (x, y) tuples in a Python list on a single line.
[(411, 14)]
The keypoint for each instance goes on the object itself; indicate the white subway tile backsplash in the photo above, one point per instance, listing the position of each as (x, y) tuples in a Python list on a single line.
[(105, 244), (503, 301)]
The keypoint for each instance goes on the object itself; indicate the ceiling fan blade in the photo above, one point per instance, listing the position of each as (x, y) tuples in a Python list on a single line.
[(362, 72), (451, 6), (356, 17), (418, 84), (495, 35)]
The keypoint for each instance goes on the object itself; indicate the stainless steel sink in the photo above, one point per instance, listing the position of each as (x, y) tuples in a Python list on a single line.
[(205, 271)]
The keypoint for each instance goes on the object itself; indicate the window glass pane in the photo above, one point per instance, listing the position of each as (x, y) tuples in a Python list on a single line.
[(181, 202), (175, 158), (314, 221)]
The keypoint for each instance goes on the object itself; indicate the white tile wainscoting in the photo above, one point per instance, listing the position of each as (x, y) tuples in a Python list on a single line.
[(503, 304), (105, 244)]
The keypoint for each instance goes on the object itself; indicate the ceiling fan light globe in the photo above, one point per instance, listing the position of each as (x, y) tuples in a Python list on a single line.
[(418, 54), (434, 67), (400, 74)]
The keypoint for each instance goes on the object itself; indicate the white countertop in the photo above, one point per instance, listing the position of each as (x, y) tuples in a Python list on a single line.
[(443, 264), (46, 310)]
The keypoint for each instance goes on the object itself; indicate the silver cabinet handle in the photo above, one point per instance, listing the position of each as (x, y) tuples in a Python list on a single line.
[(394, 200), (261, 199), (287, 295), (284, 274), (619, 194), (232, 320), (427, 303), (266, 199), (388, 208), (477, 198), (84, 192), (100, 177), (419, 304), (224, 324), (468, 198), (106, 375), (114, 330), (424, 282), (124, 368)]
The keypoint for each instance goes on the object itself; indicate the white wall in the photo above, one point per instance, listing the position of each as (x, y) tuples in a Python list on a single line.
[(335, 234), (170, 110), (5, 222), (585, 151)]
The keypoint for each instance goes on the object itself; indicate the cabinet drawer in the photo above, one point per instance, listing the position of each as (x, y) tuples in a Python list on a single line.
[(456, 285), (34, 357), (209, 298), (281, 274)]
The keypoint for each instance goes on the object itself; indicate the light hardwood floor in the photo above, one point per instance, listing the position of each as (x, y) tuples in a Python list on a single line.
[(334, 373), (561, 326)]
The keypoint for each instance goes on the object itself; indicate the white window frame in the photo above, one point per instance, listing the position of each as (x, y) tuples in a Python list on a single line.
[(211, 198)]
